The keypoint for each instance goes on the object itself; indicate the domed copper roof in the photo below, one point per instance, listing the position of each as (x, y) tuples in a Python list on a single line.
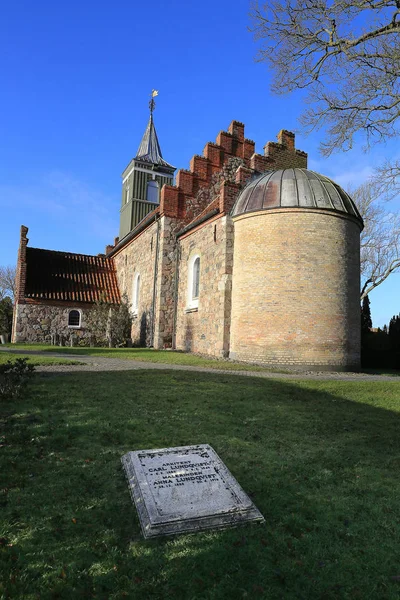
[(291, 188)]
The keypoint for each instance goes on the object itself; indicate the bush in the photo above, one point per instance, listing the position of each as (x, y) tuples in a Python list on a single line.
[(6, 315), (14, 377), (109, 324), (378, 351)]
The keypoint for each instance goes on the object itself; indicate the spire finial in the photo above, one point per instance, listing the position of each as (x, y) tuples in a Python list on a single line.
[(152, 103)]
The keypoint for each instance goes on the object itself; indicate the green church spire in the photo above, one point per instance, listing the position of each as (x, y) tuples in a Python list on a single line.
[(144, 177)]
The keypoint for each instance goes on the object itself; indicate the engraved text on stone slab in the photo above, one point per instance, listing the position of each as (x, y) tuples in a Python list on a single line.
[(185, 489)]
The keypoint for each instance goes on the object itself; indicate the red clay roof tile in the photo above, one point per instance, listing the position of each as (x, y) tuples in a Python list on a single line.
[(53, 275)]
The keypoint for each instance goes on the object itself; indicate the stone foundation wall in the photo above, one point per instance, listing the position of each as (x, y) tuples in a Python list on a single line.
[(38, 322), (206, 330)]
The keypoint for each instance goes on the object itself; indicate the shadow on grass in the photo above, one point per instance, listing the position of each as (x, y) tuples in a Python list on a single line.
[(319, 459)]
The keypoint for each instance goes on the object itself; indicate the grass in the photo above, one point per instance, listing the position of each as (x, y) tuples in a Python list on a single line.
[(36, 360), (382, 371), (167, 357), (320, 459)]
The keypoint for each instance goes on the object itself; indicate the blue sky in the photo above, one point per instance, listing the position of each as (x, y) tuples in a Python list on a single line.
[(76, 79)]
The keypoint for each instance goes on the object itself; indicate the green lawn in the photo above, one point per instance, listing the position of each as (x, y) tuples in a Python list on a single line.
[(320, 460), (162, 357), (147, 355), (36, 360)]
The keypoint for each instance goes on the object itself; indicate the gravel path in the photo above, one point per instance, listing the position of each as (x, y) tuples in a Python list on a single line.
[(101, 364)]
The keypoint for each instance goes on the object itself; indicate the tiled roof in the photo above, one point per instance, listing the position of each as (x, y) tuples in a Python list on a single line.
[(52, 275)]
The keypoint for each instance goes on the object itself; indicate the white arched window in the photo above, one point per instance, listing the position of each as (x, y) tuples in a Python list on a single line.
[(127, 194), (74, 319), (152, 191), (193, 290), (136, 294)]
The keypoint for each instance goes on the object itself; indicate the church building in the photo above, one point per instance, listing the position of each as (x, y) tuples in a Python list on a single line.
[(246, 256)]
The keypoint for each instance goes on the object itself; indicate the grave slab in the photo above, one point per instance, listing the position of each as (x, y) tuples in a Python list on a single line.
[(185, 489)]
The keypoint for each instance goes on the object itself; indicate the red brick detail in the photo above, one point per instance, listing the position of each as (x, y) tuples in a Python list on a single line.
[(242, 175), (169, 200), (213, 153), (109, 247), (286, 138), (21, 267), (248, 149), (184, 181), (225, 139), (227, 196), (237, 130), (199, 165), (237, 148), (283, 152), (182, 198), (184, 202), (261, 163)]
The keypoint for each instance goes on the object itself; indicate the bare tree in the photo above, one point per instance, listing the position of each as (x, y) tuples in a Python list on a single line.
[(7, 282), (387, 178), (380, 239), (346, 53)]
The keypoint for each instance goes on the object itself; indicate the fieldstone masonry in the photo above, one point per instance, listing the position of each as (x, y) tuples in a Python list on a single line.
[(152, 254), (39, 322), (139, 257)]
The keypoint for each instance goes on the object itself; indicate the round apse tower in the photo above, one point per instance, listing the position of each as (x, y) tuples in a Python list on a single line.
[(296, 273)]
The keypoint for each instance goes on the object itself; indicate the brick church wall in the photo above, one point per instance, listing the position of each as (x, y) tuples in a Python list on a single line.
[(180, 205), (296, 296), (207, 329)]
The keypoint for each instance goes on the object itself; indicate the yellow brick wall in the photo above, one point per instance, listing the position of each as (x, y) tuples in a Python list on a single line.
[(296, 286)]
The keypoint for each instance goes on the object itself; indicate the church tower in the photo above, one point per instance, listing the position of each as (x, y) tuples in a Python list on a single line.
[(143, 178)]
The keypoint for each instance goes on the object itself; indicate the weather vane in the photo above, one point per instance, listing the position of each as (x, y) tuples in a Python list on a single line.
[(152, 103)]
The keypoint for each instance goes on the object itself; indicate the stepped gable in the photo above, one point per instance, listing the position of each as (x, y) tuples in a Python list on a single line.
[(183, 200)]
